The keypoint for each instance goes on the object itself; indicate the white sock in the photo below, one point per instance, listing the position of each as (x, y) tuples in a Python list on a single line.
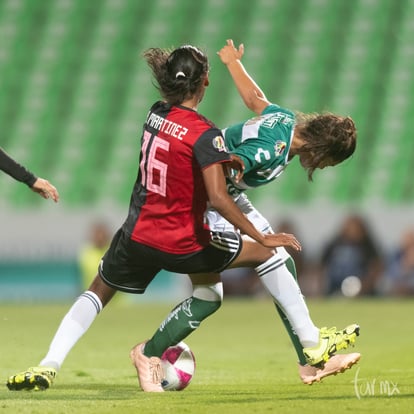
[(75, 323), (284, 290)]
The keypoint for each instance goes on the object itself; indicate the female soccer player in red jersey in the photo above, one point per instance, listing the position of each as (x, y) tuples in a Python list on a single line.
[(180, 171)]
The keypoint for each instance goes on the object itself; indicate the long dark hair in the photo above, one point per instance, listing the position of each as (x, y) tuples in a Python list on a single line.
[(326, 136), (179, 73)]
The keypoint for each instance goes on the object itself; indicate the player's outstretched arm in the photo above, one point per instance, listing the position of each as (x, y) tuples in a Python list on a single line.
[(252, 95), (220, 200)]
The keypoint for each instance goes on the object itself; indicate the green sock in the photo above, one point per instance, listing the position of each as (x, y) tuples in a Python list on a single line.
[(182, 320), (290, 264)]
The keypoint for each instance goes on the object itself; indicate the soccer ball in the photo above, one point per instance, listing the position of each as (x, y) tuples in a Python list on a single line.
[(178, 364)]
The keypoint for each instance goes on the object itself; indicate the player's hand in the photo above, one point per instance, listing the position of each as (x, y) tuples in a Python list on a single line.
[(229, 53), (45, 189), (281, 239), (235, 168)]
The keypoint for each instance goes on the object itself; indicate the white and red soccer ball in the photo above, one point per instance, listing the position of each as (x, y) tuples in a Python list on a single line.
[(178, 364)]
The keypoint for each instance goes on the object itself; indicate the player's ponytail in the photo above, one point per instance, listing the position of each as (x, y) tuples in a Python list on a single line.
[(179, 73)]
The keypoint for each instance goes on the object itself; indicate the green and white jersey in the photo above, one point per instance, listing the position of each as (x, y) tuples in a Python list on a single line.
[(263, 143)]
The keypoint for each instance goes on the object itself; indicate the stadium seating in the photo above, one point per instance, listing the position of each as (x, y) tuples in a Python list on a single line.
[(75, 89)]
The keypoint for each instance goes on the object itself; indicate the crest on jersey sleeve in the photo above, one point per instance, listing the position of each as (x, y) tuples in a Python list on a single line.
[(218, 144), (279, 147)]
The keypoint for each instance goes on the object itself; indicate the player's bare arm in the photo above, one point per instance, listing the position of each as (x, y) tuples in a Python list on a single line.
[(252, 95), (215, 183)]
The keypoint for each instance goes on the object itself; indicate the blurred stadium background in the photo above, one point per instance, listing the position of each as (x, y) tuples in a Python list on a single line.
[(74, 93)]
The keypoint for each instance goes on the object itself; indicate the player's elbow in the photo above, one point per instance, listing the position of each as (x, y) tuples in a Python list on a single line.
[(256, 102), (219, 201)]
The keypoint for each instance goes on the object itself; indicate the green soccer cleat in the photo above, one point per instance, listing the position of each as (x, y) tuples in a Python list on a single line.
[(35, 378), (330, 342)]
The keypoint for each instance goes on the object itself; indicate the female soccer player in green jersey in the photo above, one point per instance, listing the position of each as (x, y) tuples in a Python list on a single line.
[(266, 144)]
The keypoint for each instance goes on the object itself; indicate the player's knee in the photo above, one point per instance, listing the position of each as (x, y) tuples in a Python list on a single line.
[(210, 293), (206, 299), (283, 253), (289, 262)]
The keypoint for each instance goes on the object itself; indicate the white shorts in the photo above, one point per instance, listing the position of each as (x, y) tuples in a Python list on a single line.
[(218, 223)]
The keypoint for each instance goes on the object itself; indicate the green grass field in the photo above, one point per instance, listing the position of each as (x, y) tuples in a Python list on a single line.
[(245, 363)]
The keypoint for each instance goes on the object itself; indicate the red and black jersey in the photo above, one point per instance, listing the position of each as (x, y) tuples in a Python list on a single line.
[(169, 198)]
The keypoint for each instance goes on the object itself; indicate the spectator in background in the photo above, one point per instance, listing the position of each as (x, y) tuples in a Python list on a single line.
[(352, 253), (92, 253), (400, 270), (20, 173)]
